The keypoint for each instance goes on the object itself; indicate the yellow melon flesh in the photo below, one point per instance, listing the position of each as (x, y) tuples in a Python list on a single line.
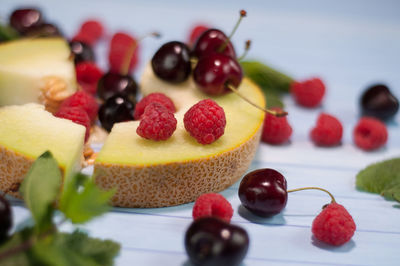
[(26, 132), (27, 65), (155, 174)]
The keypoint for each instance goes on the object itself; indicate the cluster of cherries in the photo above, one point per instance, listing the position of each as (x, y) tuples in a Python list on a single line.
[(30, 22), (216, 67)]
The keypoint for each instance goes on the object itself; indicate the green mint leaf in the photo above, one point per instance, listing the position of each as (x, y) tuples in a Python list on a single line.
[(381, 178), (20, 258), (269, 79), (86, 202), (7, 33), (75, 249), (40, 188)]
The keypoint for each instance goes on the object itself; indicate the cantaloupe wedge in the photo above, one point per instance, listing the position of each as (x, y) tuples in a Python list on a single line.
[(155, 174), (26, 132), (36, 70)]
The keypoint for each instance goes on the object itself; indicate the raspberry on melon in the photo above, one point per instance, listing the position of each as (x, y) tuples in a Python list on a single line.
[(155, 174), (26, 132), (36, 70)]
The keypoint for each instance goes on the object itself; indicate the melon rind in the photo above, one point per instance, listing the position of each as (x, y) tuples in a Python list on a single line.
[(175, 183), (27, 132)]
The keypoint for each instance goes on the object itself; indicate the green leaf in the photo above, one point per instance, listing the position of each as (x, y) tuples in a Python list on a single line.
[(75, 249), (382, 178), (269, 79), (7, 33), (40, 189), (86, 202), (20, 258)]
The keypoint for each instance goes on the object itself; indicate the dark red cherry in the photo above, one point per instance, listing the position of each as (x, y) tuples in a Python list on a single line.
[(5, 218), (263, 192), (213, 73), (23, 19), (210, 241), (111, 84), (378, 101), (212, 41), (43, 30), (172, 62), (116, 109), (81, 51)]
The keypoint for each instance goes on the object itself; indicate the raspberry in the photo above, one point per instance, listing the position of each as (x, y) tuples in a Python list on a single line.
[(205, 121), (328, 131), (76, 115), (334, 225), (153, 97), (90, 32), (84, 100), (212, 204), (308, 93), (88, 75), (120, 46), (276, 130), (157, 123), (195, 33), (370, 133)]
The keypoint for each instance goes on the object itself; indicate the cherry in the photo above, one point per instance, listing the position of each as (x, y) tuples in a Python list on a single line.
[(116, 109), (5, 218), (23, 19), (263, 192), (379, 102), (43, 30), (81, 51), (195, 33), (213, 73), (211, 241), (211, 42), (111, 84), (172, 62)]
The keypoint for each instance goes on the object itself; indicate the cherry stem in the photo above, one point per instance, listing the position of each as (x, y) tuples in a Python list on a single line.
[(277, 113), (316, 188), (246, 49), (242, 13), (131, 51)]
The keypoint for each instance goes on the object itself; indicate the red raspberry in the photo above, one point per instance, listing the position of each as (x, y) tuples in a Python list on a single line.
[(84, 100), (120, 46), (196, 32), (308, 93), (276, 130), (205, 121), (212, 204), (88, 75), (327, 132), (157, 123), (90, 32), (334, 225), (153, 97), (370, 134), (76, 115)]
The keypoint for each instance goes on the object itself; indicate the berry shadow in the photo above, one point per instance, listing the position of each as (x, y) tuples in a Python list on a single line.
[(345, 248), (188, 263), (273, 220)]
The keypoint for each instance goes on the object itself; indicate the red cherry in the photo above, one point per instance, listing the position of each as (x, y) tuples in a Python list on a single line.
[(211, 41), (23, 19), (214, 73), (195, 33)]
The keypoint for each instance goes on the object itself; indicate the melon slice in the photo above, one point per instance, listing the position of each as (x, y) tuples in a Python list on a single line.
[(155, 174), (36, 70), (26, 132)]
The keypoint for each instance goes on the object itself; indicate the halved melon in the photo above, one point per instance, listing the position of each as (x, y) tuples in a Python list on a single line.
[(36, 70), (26, 132), (156, 174)]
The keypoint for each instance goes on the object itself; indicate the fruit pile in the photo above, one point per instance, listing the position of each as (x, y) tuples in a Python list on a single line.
[(210, 239)]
